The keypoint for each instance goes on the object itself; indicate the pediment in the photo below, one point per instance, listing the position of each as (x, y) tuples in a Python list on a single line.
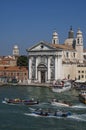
[(41, 46)]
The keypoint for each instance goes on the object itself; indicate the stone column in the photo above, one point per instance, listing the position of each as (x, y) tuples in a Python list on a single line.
[(36, 68), (59, 68), (30, 69), (56, 68), (39, 76), (49, 75)]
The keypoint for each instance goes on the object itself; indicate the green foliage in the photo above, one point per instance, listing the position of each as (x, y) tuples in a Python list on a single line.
[(22, 61)]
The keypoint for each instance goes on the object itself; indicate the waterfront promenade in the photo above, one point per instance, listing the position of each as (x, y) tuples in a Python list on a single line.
[(30, 84)]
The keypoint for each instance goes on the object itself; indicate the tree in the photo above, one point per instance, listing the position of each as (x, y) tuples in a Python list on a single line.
[(22, 61)]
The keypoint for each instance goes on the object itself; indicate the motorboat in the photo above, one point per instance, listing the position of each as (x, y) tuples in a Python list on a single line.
[(20, 101), (53, 114), (82, 96), (60, 103), (61, 86)]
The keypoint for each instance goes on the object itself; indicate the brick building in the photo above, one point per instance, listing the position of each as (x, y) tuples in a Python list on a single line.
[(13, 72)]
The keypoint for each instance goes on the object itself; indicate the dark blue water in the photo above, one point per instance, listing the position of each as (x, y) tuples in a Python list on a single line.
[(19, 117)]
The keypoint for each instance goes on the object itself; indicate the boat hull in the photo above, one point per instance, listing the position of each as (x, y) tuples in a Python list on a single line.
[(19, 101), (61, 114), (60, 104), (31, 102), (59, 90)]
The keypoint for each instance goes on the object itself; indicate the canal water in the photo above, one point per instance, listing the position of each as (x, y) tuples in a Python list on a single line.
[(20, 117)]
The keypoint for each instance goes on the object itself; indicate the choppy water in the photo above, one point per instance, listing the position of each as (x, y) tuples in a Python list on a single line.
[(19, 117)]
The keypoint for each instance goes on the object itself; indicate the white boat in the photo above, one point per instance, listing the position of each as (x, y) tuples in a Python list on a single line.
[(60, 103), (61, 86)]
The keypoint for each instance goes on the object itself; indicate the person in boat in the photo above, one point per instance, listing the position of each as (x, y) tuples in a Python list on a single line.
[(55, 114), (17, 100), (46, 113), (59, 113), (67, 103), (31, 100), (55, 100), (41, 112), (62, 83), (37, 101)]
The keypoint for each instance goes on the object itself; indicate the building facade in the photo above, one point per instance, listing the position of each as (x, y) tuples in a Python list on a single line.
[(13, 72), (52, 61)]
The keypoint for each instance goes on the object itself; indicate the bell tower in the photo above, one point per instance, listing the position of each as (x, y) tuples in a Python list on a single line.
[(15, 51), (55, 39), (79, 45), (71, 33)]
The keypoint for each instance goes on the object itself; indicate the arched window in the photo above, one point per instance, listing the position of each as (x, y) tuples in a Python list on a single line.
[(54, 41), (79, 77)]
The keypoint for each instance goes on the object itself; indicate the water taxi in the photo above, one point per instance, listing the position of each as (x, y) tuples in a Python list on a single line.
[(61, 86)]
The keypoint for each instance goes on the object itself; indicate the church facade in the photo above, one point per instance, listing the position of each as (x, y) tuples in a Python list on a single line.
[(52, 61)]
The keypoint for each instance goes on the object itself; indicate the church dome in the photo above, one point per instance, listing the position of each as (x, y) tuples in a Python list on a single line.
[(15, 50), (15, 47), (55, 34), (71, 33), (79, 31)]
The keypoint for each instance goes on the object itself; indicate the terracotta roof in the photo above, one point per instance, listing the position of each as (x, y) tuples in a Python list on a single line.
[(7, 58), (62, 46)]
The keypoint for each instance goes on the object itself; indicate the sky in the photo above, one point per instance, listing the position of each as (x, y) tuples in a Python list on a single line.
[(27, 22)]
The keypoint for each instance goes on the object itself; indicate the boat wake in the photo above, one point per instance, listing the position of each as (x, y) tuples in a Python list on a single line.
[(31, 114), (80, 117), (4, 102), (79, 106), (43, 104), (35, 115), (8, 103), (32, 109)]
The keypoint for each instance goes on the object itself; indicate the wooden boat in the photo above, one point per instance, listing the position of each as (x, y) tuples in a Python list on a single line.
[(12, 101), (20, 101), (61, 86), (82, 96), (60, 103)]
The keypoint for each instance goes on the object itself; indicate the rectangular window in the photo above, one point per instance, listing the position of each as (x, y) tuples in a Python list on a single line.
[(82, 76), (67, 54), (79, 71), (74, 54), (25, 73), (17, 74)]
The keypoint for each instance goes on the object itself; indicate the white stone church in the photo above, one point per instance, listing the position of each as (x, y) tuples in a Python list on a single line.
[(52, 61)]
